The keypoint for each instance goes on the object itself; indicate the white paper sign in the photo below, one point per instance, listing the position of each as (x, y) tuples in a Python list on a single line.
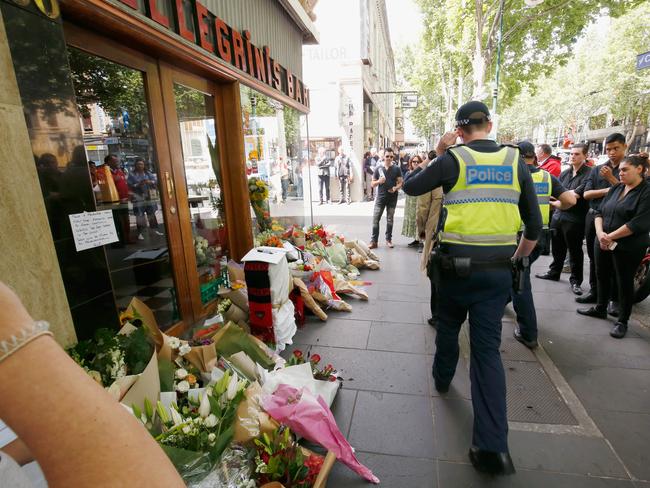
[(93, 229)]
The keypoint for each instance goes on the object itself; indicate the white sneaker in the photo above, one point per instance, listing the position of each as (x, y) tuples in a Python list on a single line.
[(159, 233), (140, 237)]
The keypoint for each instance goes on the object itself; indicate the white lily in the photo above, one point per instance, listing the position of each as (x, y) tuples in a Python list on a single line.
[(174, 342), (184, 349), (211, 437), (181, 374), (211, 421), (176, 417), (204, 407), (232, 387)]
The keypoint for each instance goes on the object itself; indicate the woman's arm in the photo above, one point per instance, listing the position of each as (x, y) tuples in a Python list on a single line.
[(79, 435)]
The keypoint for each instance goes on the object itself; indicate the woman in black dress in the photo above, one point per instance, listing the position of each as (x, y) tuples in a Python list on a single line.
[(622, 226)]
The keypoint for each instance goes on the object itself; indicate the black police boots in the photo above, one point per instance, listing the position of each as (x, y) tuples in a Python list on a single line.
[(495, 463)]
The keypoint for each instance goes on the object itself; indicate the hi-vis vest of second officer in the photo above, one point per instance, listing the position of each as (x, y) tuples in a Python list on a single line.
[(543, 188), (483, 206)]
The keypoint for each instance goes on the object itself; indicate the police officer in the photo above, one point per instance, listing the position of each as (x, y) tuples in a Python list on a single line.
[(550, 194), (488, 190)]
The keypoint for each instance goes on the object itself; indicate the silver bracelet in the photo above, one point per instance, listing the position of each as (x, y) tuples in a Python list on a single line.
[(27, 335)]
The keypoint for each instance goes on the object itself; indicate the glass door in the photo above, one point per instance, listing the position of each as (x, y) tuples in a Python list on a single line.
[(127, 159), (191, 106)]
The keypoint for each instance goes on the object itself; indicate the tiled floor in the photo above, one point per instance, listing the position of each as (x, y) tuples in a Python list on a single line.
[(411, 436)]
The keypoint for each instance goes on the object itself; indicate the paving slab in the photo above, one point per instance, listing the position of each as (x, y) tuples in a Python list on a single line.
[(390, 372), (616, 389), (392, 471), (398, 337), (386, 423), (629, 434), (404, 293), (335, 332), (452, 475)]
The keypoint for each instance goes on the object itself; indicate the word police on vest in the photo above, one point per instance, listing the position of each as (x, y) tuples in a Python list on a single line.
[(541, 188), (489, 175)]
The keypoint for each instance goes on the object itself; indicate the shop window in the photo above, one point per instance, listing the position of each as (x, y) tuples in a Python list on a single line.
[(125, 176)]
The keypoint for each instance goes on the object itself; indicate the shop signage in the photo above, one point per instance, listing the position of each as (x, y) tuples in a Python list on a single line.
[(215, 36), (409, 101), (643, 60)]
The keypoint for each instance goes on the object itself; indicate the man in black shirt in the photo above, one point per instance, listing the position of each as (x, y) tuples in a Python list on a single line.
[(569, 225), (324, 164), (602, 178), (388, 180)]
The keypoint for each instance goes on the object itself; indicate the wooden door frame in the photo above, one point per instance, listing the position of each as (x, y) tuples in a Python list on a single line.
[(230, 142), (108, 49)]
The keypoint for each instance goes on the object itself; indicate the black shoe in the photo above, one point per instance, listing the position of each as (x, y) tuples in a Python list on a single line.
[(576, 289), (593, 312), (619, 330), (433, 322), (415, 243), (495, 463), (321, 203), (529, 344), (590, 297), (612, 309), (547, 276), (440, 386)]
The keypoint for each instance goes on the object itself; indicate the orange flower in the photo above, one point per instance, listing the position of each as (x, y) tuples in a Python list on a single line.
[(191, 379)]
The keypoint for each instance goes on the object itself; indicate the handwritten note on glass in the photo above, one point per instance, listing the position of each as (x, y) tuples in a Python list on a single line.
[(93, 229)]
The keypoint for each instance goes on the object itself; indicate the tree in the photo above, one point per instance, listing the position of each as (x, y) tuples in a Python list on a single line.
[(461, 37)]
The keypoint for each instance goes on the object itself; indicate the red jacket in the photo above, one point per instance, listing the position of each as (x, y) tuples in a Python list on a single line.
[(553, 165)]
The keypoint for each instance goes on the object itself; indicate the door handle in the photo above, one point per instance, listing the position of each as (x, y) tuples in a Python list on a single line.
[(170, 185)]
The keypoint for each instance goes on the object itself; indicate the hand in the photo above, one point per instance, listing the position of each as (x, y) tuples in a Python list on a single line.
[(604, 240), (447, 139), (382, 180), (392, 190), (606, 172), (556, 204)]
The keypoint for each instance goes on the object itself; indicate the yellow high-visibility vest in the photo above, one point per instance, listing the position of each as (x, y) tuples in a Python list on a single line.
[(543, 188), (482, 207)]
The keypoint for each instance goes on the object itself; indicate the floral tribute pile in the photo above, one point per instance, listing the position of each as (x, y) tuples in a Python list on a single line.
[(204, 400)]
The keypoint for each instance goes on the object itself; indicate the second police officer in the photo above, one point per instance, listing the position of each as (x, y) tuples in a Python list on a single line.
[(488, 192)]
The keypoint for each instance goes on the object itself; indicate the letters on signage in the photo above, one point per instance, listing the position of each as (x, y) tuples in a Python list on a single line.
[(541, 188), (489, 175), (234, 47)]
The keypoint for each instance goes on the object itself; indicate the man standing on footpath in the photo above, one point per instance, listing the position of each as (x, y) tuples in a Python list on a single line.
[(602, 178), (343, 171), (569, 225), (550, 194), (547, 161), (324, 165), (388, 180), (369, 165), (488, 191)]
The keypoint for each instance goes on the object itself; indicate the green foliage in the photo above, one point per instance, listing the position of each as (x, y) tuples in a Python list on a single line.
[(600, 77), (457, 55)]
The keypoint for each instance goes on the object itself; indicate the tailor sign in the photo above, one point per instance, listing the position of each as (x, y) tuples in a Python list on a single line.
[(195, 23), (643, 60)]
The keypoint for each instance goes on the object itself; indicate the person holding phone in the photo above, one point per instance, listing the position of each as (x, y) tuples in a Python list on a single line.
[(622, 226), (388, 180)]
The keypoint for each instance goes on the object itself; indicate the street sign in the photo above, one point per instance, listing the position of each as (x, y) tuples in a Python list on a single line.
[(409, 101), (643, 60)]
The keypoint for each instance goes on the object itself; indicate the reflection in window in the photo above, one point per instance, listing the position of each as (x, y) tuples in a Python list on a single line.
[(122, 162), (203, 178), (276, 153)]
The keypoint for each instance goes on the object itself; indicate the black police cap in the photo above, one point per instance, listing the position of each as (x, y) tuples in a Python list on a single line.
[(469, 109), (526, 149)]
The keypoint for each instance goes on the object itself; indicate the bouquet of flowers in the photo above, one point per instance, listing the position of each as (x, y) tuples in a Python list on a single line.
[(280, 458), (300, 269), (109, 357), (316, 233), (269, 239), (328, 373), (258, 192), (194, 435)]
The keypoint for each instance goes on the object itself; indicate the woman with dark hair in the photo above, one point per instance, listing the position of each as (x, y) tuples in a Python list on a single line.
[(409, 226), (622, 226)]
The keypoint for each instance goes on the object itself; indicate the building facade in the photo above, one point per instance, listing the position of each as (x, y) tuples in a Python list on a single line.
[(128, 153), (352, 64)]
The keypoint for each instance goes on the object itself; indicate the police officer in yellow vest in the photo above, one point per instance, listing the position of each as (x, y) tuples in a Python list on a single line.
[(550, 192), (488, 191)]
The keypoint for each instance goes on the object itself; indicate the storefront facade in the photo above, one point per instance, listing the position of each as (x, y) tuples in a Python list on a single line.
[(146, 110)]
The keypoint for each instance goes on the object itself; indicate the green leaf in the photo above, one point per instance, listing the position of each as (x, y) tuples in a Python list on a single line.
[(166, 370)]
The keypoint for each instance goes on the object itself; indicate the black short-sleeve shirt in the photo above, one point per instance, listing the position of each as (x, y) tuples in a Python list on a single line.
[(633, 210), (576, 183), (392, 174), (597, 182)]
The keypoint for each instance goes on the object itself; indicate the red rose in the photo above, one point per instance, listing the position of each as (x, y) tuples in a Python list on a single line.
[(332, 378), (297, 353), (329, 366), (315, 359)]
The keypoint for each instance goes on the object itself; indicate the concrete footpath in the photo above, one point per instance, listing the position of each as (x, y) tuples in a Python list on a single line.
[(579, 407)]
